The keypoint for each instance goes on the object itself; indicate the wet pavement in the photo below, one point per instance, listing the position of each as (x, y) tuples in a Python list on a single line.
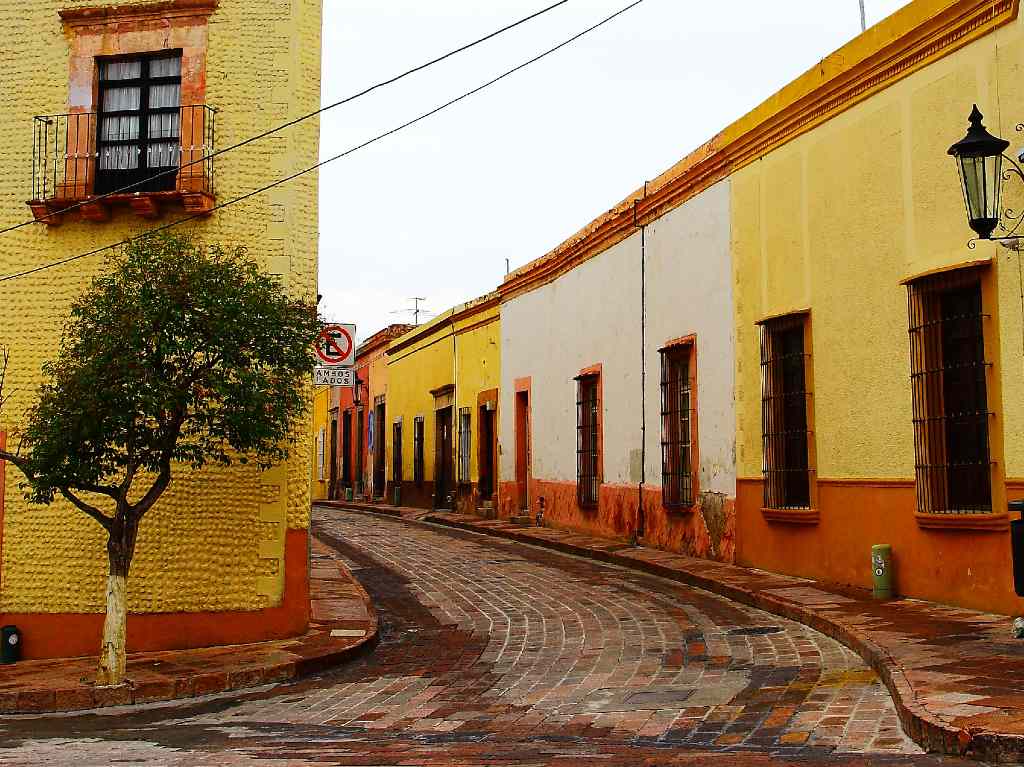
[(492, 652)]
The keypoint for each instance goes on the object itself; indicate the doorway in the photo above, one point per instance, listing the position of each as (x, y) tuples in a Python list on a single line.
[(523, 449), (444, 466), (346, 449), (488, 443), (332, 489), (379, 470)]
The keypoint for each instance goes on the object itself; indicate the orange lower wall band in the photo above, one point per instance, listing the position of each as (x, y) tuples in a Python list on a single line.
[(970, 568), (707, 531), (47, 635)]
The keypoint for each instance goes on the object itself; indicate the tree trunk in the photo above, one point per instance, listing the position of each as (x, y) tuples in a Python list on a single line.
[(112, 651), (120, 549)]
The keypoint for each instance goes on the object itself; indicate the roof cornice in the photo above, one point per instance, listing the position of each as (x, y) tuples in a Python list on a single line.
[(102, 14), (917, 35)]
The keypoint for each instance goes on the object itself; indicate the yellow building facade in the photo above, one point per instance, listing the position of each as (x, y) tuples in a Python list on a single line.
[(856, 231), (325, 422), (443, 380), (223, 557)]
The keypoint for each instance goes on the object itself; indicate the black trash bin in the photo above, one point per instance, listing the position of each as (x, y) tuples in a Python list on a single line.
[(1017, 544), (10, 644)]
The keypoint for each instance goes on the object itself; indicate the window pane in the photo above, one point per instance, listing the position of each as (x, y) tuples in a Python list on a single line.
[(168, 67), (119, 158), (121, 70), (163, 155), (166, 125), (164, 96), (122, 99), (123, 128)]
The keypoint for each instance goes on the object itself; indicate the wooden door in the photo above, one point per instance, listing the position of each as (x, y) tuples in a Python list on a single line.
[(523, 458), (444, 464)]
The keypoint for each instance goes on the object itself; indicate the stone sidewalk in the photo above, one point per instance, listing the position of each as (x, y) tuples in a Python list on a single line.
[(342, 623), (956, 675)]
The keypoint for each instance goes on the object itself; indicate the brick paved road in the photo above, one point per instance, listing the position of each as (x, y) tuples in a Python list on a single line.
[(495, 653)]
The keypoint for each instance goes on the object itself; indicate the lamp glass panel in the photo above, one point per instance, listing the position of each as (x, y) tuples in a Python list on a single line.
[(972, 173), (994, 185)]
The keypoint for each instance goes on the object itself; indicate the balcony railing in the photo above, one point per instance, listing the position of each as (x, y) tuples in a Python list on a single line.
[(72, 164)]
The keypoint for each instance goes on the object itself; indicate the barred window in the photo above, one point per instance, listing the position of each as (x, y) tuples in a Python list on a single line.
[(784, 403), (948, 378), (465, 443), (417, 450), (677, 438), (588, 477), (396, 452)]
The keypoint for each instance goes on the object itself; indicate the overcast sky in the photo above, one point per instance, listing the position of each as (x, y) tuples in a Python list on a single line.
[(511, 172)]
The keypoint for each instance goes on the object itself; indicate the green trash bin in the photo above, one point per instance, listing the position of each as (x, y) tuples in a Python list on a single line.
[(881, 571), (348, 494), (396, 496), (10, 644)]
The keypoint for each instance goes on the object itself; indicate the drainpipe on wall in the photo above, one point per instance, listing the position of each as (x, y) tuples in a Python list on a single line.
[(641, 520)]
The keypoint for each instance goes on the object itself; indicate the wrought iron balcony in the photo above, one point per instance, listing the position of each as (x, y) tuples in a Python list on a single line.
[(98, 162)]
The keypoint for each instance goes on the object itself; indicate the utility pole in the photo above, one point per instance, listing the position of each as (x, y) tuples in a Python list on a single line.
[(863, 18)]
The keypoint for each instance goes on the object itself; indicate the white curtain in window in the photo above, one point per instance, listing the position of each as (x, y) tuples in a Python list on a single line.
[(167, 125), (122, 99), (121, 70), (163, 96), (123, 128), (169, 67), (119, 157), (163, 155)]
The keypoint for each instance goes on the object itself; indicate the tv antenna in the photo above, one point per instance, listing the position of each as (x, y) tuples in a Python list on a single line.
[(416, 310)]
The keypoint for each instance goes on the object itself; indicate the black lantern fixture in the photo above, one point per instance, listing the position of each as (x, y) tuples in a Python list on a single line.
[(979, 157)]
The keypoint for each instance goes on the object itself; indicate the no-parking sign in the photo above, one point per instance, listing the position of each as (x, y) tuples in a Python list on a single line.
[(336, 346)]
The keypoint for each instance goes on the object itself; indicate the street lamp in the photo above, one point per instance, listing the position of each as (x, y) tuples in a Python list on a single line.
[(979, 157)]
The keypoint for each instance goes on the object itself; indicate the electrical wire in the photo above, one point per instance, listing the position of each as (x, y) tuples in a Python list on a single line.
[(290, 123), (329, 160)]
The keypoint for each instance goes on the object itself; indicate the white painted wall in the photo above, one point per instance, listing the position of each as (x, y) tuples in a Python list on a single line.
[(593, 315)]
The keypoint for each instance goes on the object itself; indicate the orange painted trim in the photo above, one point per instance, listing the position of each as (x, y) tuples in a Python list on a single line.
[(523, 384), (57, 635), (862, 482), (593, 370), (918, 35), (103, 14), (806, 311), (792, 516), (491, 395), (675, 343), (996, 523)]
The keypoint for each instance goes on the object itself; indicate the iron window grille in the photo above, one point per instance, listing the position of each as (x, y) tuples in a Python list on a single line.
[(396, 452), (677, 480), (785, 400), (953, 467), (588, 478), (465, 444), (417, 450)]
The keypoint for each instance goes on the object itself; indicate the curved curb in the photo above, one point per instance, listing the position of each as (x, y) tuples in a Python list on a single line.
[(925, 728), (286, 660)]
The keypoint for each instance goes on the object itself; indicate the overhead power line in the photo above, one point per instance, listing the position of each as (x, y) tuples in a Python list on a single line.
[(322, 163), (290, 123)]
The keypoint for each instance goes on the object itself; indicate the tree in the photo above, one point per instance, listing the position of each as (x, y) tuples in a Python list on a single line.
[(182, 355)]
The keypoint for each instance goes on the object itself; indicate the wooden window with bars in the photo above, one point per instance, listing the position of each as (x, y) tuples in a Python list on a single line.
[(417, 450), (588, 440), (678, 426), (465, 444), (396, 452), (948, 375), (785, 401)]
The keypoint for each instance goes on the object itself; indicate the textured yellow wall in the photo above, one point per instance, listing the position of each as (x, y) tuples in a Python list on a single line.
[(215, 542), (467, 354), (834, 221)]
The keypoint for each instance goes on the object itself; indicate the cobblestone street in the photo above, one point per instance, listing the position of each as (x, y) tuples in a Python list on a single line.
[(496, 653)]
